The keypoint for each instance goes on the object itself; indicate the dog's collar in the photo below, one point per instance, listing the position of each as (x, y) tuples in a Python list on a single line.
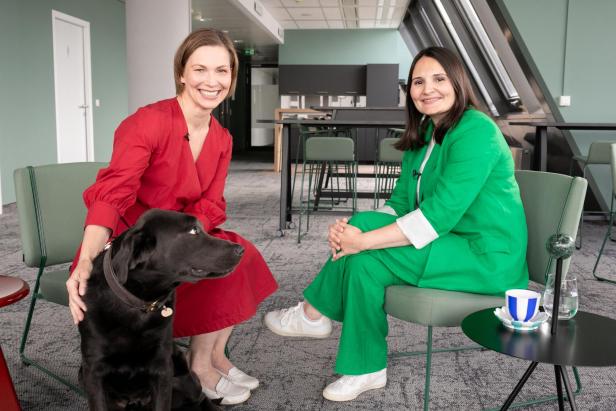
[(126, 296)]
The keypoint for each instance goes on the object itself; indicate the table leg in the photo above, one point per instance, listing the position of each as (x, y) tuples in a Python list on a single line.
[(285, 182), (519, 386), (570, 396), (541, 148), (8, 397), (559, 388)]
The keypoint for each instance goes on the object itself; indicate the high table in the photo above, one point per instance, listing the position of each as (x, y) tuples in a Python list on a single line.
[(285, 175), (585, 340), (541, 136), (11, 290)]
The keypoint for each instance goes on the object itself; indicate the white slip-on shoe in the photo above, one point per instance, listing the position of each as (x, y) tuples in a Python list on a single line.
[(228, 392), (348, 387), (239, 377), (292, 322)]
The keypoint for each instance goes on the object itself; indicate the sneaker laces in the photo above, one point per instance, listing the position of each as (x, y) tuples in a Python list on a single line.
[(288, 313)]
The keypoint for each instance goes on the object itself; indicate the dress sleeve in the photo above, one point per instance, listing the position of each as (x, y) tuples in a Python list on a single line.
[(116, 186), (211, 208), (471, 157)]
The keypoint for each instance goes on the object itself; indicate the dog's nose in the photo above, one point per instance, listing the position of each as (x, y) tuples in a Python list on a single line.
[(239, 250)]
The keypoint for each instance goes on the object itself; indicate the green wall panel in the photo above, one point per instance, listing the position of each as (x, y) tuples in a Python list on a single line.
[(345, 47), (572, 43), (27, 108)]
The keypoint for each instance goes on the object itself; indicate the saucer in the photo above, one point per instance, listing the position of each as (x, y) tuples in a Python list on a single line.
[(532, 324)]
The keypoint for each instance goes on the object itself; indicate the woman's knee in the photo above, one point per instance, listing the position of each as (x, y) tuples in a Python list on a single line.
[(371, 220)]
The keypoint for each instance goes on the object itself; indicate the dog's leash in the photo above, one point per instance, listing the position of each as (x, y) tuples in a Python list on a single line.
[(126, 296)]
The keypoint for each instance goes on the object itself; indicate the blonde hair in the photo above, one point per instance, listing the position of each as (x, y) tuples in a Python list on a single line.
[(199, 38)]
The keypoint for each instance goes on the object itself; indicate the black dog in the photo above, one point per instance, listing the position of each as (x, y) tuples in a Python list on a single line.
[(128, 355)]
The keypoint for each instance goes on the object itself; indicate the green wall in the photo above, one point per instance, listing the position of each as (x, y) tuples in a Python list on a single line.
[(572, 43), (27, 108), (345, 47)]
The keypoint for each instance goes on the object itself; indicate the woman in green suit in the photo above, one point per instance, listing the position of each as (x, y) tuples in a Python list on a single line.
[(454, 221)]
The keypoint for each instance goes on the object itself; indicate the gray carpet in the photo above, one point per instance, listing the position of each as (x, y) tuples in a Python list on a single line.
[(293, 372)]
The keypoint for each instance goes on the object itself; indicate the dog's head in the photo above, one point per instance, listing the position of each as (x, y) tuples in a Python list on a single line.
[(169, 248)]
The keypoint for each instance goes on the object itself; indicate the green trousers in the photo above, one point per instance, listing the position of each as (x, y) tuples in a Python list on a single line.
[(351, 290)]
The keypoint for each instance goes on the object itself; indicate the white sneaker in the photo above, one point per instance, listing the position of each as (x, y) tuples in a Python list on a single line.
[(293, 322), (348, 387), (228, 392), (239, 377)]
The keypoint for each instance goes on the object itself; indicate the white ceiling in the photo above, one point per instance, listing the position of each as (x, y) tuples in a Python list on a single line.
[(337, 14), (224, 15), (297, 15)]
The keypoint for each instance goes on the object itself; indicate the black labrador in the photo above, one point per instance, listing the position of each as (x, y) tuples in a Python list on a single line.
[(129, 360)]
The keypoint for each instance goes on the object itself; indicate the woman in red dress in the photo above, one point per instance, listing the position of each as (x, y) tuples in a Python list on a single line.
[(174, 155)]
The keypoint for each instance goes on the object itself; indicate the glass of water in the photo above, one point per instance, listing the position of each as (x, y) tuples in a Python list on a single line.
[(568, 305)]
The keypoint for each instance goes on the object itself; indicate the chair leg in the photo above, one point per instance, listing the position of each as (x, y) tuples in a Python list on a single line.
[(608, 234), (24, 340), (426, 402), (301, 203)]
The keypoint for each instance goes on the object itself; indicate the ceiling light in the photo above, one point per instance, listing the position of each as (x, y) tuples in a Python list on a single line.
[(238, 41)]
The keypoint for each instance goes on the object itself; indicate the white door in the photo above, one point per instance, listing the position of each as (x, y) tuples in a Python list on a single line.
[(72, 81)]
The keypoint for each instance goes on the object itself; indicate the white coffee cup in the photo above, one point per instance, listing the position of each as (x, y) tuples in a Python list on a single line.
[(522, 305)]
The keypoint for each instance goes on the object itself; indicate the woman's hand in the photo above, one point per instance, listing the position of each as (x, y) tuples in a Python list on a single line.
[(76, 286), (350, 241), (333, 237)]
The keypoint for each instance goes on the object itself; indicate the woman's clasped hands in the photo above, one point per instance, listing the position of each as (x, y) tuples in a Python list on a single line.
[(344, 239)]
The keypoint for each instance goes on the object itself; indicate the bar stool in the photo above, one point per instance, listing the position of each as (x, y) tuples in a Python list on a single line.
[(306, 132), (336, 156), (386, 169), (598, 153)]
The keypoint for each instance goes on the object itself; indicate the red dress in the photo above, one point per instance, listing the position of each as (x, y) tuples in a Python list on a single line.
[(152, 167)]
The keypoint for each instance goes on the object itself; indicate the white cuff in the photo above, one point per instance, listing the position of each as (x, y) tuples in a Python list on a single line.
[(387, 210), (416, 227)]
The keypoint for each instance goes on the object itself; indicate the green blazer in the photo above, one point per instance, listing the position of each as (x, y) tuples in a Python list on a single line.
[(469, 195)]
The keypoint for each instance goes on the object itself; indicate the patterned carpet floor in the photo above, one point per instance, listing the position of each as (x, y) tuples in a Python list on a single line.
[(293, 372)]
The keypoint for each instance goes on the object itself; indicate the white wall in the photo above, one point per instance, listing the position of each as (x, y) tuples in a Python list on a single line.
[(264, 100), (154, 30)]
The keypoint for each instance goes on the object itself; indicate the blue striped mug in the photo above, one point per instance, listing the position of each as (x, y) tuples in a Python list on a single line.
[(522, 305)]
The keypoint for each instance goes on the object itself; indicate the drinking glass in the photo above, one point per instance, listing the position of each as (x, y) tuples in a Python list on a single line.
[(568, 306)]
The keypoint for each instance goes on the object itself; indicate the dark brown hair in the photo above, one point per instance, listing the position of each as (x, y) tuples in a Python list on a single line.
[(199, 38), (416, 123)]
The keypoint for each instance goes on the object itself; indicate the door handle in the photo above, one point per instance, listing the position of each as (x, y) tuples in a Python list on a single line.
[(83, 106)]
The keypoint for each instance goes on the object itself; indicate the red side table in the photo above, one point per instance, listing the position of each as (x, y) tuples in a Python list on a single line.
[(11, 290)]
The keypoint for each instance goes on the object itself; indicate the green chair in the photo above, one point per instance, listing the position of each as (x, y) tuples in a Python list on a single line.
[(305, 132), (51, 216), (553, 204), (608, 233), (386, 169), (599, 152), (337, 156)]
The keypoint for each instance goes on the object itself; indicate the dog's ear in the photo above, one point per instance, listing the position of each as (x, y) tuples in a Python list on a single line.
[(136, 247)]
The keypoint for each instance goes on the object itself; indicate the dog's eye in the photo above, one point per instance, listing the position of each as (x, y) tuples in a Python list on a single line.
[(194, 231)]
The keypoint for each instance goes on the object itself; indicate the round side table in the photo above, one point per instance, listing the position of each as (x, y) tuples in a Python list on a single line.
[(11, 290), (585, 340)]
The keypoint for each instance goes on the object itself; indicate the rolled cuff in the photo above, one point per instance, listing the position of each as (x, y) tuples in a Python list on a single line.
[(386, 209), (103, 214), (416, 227)]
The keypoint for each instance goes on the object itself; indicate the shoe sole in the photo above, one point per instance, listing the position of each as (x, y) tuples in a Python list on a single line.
[(235, 400), (292, 334), (349, 397)]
